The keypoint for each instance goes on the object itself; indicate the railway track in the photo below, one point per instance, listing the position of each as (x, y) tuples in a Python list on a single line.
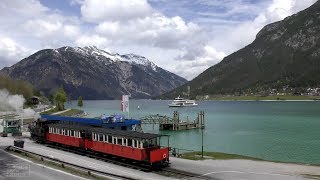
[(168, 172), (16, 149)]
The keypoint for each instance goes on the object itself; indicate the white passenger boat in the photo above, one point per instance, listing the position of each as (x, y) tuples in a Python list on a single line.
[(181, 102)]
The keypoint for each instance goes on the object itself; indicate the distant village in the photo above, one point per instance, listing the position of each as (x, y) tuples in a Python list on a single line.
[(284, 91)]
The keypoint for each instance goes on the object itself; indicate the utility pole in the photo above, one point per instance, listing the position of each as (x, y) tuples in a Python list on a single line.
[(202, 141), (202, 127)]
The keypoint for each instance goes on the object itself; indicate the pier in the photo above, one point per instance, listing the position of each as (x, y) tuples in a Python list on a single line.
[(175, 123)]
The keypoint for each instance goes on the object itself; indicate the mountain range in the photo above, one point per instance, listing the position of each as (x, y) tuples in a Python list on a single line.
[(284, 55), (93, 73)]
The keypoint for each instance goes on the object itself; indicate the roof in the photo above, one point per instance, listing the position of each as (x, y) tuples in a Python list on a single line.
[(89, 121), (120, 133)]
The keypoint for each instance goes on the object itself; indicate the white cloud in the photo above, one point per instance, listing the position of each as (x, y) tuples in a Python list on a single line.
[(155, 30), (190, 69), (10, 51), (234, 37), (41, 28), (113, 10), (185, 47), (24, 7), (91, 40)]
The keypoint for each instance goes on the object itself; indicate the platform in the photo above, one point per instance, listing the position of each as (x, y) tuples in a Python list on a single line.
[(175, 123)]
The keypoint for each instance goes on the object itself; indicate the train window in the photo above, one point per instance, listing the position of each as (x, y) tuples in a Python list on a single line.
[(114, 140), (129, 141), (62, 131), (79, 134), (119, 141), (68, 132), (101, 137), (109, 139), (141, 144), (123, 142), (98, 137), (138, 144), (105, 138), (71, 133)]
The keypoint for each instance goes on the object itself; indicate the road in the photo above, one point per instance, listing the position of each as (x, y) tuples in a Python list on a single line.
[(13, 167)]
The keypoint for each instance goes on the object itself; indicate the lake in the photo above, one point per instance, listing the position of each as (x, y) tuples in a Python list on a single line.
[(273, 130)]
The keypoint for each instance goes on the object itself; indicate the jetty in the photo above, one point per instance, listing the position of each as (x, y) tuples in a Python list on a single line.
[(175, 123)]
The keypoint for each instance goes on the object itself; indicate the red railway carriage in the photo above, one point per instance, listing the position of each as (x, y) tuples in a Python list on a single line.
[(127, 144)]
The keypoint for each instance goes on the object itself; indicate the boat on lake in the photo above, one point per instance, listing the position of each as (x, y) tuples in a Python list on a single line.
[(182, 102)]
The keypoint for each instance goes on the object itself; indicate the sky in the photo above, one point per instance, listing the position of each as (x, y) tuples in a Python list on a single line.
[(182, 36)]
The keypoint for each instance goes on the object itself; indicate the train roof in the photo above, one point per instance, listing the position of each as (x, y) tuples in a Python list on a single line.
[(89, 121), (120, 133)]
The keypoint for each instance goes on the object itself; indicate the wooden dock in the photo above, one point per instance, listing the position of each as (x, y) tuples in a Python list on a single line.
[(175, 123)]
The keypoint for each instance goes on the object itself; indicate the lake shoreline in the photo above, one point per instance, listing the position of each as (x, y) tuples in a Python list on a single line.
[(261, 98), (227, 156)]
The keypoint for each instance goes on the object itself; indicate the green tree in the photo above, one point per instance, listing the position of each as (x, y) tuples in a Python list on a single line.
[(80, 101), (60, 98)]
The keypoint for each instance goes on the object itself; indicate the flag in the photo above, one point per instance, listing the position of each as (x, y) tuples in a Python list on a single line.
[(125, 103)]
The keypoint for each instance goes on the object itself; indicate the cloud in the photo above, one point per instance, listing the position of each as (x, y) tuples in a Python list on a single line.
[(238, 36), (190, 69), (184, 36), (114, 10), (10, 51), (24, 7), (91, 40)]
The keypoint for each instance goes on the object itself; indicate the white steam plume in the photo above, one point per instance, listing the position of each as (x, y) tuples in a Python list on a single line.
[(10, 102), (14, 104)]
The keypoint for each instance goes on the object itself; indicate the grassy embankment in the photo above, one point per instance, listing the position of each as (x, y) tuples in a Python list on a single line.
[(71, 112), (261, 98), (215, 156)]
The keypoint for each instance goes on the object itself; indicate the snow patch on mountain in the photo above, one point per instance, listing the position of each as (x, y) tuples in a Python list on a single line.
[(100, 54), (136, 59)]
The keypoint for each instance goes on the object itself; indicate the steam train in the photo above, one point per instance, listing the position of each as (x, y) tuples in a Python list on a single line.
[(131, 145)]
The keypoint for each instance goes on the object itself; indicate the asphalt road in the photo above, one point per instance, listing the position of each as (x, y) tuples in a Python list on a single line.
[(12, 167)]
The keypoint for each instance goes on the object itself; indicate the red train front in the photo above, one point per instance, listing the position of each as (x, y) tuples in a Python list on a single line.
[(127, 144)]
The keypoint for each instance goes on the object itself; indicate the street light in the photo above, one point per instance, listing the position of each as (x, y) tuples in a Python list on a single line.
[(202, 141)]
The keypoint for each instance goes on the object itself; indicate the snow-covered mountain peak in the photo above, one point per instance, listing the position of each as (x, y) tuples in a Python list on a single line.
[(102, 55), (133, 58)]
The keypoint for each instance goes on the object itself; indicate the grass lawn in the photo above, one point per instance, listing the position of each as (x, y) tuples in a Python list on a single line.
[(215, 156), (71, 112), (50, 111)]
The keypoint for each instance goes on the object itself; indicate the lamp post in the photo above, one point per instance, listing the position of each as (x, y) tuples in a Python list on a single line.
[(202, 127), (202, 141)]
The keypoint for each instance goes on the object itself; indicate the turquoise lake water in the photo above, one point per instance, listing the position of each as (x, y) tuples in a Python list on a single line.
[(271, 130)]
